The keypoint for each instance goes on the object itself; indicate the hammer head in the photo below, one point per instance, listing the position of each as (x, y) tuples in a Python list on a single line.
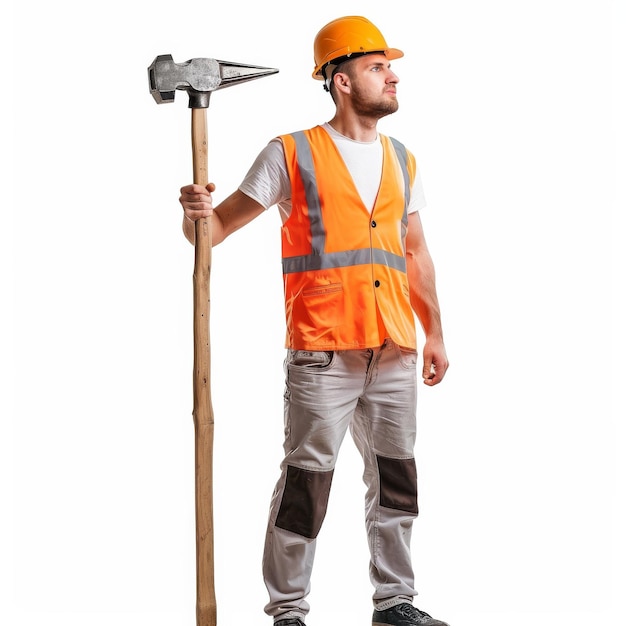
[(198, 77)]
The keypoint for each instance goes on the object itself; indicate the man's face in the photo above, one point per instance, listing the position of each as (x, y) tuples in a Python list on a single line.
[(372, 85)]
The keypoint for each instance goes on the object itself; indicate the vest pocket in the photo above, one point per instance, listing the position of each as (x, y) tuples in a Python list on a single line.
[(323, 305)]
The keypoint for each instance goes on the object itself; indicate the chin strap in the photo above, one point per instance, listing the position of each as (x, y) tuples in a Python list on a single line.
[(327, 72)]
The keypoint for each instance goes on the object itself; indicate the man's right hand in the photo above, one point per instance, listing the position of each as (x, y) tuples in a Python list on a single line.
[(230, 214), (197, 201)]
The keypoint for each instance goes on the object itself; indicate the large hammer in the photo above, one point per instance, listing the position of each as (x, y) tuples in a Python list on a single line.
[(200, 77)]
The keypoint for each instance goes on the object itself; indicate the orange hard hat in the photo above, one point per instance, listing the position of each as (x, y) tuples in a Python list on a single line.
[(346, 36)]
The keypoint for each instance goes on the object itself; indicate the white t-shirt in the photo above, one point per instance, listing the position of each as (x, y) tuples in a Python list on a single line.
[(267, 180)]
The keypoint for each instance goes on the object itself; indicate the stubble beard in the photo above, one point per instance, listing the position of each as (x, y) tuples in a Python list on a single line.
[(369, 107)]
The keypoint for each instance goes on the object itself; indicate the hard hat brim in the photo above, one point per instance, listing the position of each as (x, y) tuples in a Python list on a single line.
[(390, 53)]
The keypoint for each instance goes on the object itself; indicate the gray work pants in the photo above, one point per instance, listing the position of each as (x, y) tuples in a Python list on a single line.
[(373, 393)]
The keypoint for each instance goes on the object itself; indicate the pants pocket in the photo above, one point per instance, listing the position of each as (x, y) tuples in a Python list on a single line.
[(310, 359)]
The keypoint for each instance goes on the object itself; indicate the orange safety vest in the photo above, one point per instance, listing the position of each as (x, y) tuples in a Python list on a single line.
[(344, 269)]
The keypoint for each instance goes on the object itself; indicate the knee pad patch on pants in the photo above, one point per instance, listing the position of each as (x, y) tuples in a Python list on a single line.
[(305, 500), (398, 484)]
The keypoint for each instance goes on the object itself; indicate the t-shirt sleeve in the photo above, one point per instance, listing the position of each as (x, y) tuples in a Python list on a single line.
[(267, 180), (418, 200)]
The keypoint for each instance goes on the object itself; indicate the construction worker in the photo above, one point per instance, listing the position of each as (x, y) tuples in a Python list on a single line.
[(357, 271)]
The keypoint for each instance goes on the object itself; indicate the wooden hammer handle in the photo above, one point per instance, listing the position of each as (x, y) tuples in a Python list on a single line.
[(206, 612)]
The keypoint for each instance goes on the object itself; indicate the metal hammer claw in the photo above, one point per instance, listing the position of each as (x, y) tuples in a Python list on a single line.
[(198, 77)]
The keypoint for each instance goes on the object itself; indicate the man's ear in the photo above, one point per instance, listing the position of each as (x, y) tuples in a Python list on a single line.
[(342, 82)]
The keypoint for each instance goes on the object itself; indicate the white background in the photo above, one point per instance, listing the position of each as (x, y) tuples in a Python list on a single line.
[(513, 110)]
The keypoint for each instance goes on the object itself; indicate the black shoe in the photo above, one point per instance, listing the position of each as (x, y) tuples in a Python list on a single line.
[(404, 615), (289, 622)]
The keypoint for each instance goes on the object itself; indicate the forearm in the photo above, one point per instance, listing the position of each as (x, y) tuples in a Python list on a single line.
[(423, 293)]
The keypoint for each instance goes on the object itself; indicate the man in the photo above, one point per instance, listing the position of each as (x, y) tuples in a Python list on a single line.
[(356, 270)]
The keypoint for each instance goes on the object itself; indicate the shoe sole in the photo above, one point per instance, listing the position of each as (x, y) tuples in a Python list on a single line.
[(383, 624)]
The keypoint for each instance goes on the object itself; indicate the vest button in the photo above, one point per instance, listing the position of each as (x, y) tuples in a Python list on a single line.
[(376, 283), (373, 224)]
